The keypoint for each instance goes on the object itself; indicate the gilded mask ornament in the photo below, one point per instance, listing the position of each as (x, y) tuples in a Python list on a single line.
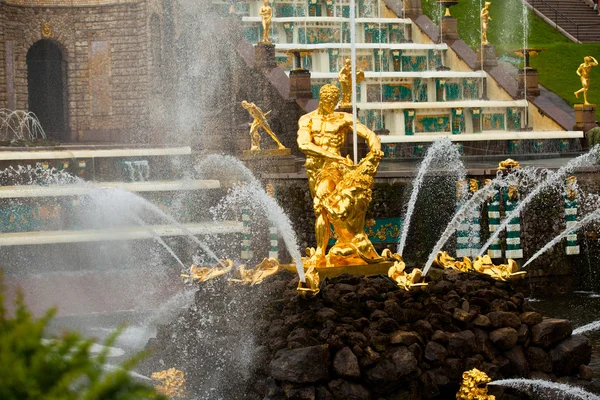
[(46, 30)]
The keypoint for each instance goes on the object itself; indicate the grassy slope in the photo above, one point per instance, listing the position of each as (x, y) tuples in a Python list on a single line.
[(556, 65)]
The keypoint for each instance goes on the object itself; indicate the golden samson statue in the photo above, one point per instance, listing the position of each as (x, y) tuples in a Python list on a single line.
[(340, 189)]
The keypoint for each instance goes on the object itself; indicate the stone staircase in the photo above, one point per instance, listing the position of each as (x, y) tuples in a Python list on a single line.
[(576, 17)]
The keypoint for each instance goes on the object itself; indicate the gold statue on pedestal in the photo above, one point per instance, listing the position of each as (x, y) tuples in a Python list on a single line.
[(584, 71), (266, 13), (485, 18), (260, 121), (340, 189), (345, 78)]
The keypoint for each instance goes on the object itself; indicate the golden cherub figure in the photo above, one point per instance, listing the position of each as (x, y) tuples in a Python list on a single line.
[(260, 121), (345, 79), (584, 71), (266, 13), (485, 18), (341, 190)]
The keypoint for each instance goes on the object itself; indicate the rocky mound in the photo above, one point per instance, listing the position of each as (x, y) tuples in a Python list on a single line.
[(363, 338)]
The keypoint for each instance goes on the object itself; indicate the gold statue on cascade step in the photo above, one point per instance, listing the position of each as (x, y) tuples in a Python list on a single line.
[(485, 18), (340, 189), (345, 79), (260, 121), (266, 13), (584, 71)]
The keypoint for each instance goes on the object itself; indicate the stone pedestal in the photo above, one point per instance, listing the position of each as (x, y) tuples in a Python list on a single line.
[(412, 9), (486, 56), (300, 84), (449, 29), (585, 119), (529, 77), (264, 56), (269, 161)]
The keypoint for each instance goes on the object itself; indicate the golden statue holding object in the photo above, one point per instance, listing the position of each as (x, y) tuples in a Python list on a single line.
[(584, 71), (260, 121), (341, 190), (345, 79), (266, 13), (485, 18)]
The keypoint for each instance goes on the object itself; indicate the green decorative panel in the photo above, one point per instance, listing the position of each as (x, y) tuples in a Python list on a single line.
[(397, 92), (367, 9), (420, 90), (538, 146), (288, 28), (396, 60), (329, 8), (513, 116), (307, 62), (458, 121), (345, 32), (381, 60), (372, 119), (389, 150), (383, 230), (409, 117), (25, 218), (432, 123), (314, 10), (396, 33), (514, 146), (334, 60), (471, 89), (285, 63), (414, 63), (476, 118), (318, 35), (419, 150), (452, 91), (440, 85), (563, 145), (435, 59), (251, 34), (374, 33), (492, 122), (374, 93), (288, 10)]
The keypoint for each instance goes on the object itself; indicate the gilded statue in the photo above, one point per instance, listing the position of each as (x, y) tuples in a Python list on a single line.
[(341, 190), (203, 274), (310, 288), (474, 386), (267, 267), (508, 164), (266, 13), (502, 272), (485, 18), (571, 187), (172, 383), (444, 260), (260, 121), (405, 280), (584, 71), (345, 78)]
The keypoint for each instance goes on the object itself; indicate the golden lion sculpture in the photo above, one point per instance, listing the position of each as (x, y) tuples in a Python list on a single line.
[(474, 386)]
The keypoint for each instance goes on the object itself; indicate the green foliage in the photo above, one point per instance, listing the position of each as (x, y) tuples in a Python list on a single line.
[(593, 136), (61, 368)]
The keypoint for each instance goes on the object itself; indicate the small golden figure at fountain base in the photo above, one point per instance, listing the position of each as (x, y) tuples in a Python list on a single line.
[(405, 281), (444, 260), (502, 272), (584, 71), (341, 190), (474, 386), (310, 288)]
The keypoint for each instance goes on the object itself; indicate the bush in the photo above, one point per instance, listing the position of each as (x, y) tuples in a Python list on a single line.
[(62, 368)]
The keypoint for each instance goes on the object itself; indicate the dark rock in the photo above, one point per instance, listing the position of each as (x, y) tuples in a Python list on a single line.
[(504, 338), (377, 315), (321, 393), (294, 392), (440, 337), (345, 364), (518, 362), (344, 288), (498, 305), (298, 335), (461, 344), (423, 328), (387, 325), (483, 344), (540, 375), (392, 309), (550, 331), (435, 353), (539, 360), (403, 337), (416, 351), (462, 315), (502, 319), (326, 314), (522, 333), (530, 318), (304, 365), (569, 354), (586, 373), (454, 368), (369, 357), (405, 361), (277, 343), (357, 339), (482, 321), (344, 390)]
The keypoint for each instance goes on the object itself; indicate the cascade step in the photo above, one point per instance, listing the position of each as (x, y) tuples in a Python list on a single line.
[(474, 137), (125, 233), (12, 155), (25, 191)]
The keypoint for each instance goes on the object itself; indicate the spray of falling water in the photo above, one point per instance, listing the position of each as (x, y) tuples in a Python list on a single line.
[(552, 179), (440, 151), (592, 326), (157, 237), (554, 391), (594, 216)]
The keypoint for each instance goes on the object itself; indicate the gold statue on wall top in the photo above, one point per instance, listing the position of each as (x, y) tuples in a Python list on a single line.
[(584, 71), (485, 18), (341, 190), (345, 79), (260, 121), (266, 13), (474, 386)]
